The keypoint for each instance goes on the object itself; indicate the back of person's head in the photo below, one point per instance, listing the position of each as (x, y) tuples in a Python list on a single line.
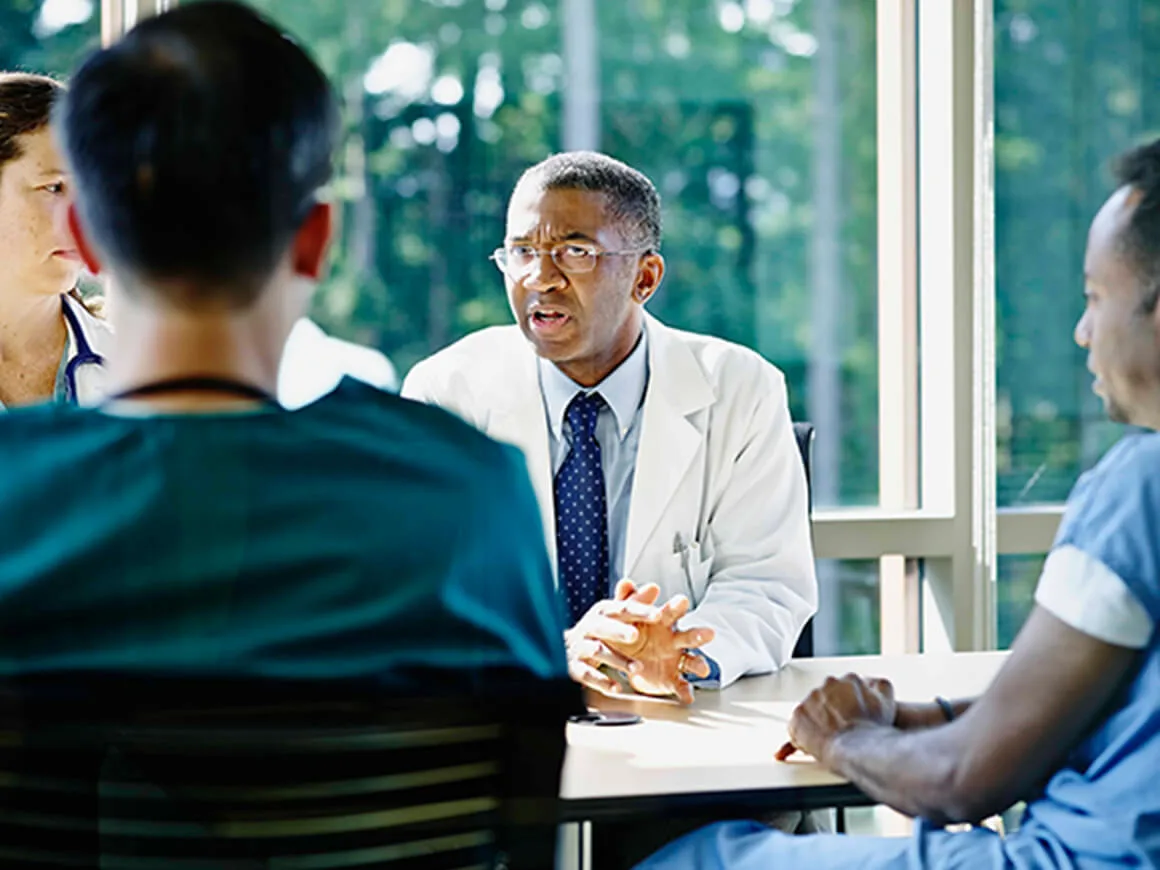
[(1140, 237), (630, 198), (198, 144), (26, 102)]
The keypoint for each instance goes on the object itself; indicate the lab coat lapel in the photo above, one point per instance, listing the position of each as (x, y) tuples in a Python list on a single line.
[(669, 440), (520, 419)]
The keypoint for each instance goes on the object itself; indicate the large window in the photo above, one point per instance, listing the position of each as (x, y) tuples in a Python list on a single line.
[(756, 121), (1074, 87)]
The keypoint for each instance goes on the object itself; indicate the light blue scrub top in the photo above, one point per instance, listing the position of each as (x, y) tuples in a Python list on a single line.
[(361, 536), (1103, 807)]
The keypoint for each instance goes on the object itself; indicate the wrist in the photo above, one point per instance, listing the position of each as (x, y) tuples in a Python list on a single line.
[(838, 749), (909, 715), (930, 714), (833, 750)]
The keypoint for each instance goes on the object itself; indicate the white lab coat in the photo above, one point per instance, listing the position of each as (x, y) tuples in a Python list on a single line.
[(313, 363), (718, 508)]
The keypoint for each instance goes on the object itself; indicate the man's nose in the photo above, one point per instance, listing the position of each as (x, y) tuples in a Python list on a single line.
[(543, 274), (1082, 334)]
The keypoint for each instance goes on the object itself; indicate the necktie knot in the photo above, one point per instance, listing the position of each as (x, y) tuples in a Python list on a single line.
[(582, 413)]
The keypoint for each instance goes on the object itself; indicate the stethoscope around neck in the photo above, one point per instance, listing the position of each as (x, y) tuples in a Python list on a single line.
[(84, 356)]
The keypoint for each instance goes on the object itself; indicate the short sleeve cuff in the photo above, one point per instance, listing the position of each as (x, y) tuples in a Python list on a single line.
[(1084, 593)]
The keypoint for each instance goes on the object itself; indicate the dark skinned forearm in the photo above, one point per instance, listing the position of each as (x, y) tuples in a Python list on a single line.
[(912, 771)]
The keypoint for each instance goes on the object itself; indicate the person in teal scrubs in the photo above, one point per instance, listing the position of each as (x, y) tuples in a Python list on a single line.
[(52, 342), (190, 524)]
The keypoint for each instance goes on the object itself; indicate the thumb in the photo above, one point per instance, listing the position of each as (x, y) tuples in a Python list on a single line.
[(647, 594), (624, 589)]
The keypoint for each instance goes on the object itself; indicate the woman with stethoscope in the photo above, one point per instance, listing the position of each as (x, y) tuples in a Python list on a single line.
[(52, 342)]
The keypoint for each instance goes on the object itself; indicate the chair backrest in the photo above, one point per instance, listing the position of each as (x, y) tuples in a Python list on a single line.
[(171, 773), (803, 434)]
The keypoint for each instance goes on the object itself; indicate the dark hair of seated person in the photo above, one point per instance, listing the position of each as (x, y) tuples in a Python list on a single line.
[(198, 144), (1140, 168), (630, 199), (26, 101)]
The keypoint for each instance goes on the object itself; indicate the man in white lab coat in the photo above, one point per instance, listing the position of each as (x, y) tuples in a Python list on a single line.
[(664, 462)]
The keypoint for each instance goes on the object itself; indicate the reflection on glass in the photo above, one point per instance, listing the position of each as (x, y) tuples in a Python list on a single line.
[(756, 121)]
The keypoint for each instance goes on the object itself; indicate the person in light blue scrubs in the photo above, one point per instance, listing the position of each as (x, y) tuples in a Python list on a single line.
[(190, 524), (1072, 722)]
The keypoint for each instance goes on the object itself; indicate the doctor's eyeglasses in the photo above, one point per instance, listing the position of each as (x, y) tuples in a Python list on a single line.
[(574, 258)]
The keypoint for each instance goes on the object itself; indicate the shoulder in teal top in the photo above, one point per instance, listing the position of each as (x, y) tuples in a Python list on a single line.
[(359, 536)]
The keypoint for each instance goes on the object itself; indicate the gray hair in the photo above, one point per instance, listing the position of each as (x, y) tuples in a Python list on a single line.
[(631, 199)]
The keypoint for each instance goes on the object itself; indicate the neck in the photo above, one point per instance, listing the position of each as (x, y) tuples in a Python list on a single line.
[(167, 344), (31, 327), (591, 371)]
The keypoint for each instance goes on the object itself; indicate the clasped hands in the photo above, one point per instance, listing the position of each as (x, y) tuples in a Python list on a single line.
[(837, 706), (634, 636)]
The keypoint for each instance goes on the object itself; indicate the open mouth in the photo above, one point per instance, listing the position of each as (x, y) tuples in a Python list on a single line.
[(548, 320)]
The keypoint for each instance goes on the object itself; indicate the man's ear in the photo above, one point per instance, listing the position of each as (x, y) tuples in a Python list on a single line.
[(312, 241), (649, 274), (84, 247)]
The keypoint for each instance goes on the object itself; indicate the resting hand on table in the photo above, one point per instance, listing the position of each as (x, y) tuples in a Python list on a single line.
[(837, 706), (634, 636)]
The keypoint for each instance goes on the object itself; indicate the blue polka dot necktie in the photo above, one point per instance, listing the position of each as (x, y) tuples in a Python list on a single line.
[(582, 512)]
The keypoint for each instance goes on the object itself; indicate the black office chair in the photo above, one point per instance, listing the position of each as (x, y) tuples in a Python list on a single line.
[(162, 773), (803, 433)]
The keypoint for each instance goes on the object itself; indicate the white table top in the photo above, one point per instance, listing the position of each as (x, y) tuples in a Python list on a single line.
[(722, 746)]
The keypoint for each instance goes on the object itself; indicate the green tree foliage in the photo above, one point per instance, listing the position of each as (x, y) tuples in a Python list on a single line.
[(46, 44)]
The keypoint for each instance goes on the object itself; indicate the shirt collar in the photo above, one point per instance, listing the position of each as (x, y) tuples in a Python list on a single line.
[(623, 389)]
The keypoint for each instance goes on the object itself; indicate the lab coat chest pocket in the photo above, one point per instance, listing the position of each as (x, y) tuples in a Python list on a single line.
[(696, 564)]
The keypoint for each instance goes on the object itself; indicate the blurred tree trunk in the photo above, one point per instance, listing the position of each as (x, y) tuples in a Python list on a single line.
[(358, 237), (580, 120), (442, 241)]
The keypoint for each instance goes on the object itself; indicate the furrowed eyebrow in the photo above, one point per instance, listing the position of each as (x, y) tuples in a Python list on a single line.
[(575, 236)]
